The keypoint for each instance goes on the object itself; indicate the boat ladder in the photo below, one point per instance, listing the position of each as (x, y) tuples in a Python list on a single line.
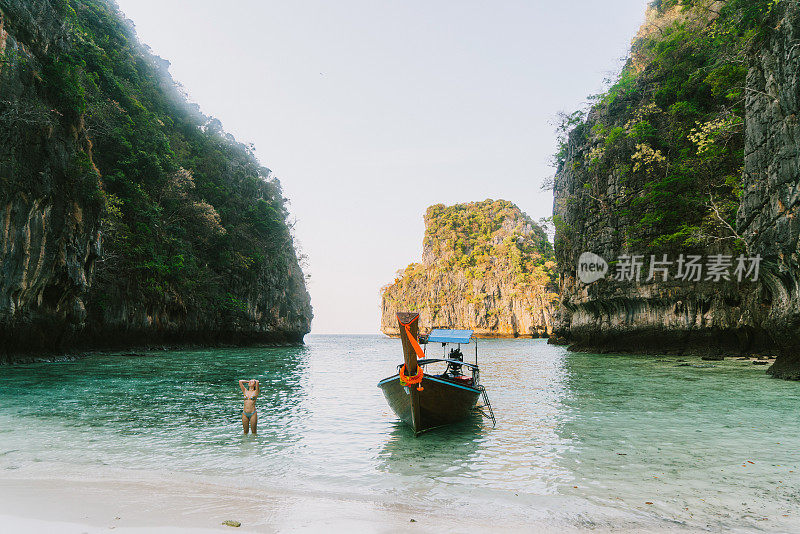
[(486, 404)]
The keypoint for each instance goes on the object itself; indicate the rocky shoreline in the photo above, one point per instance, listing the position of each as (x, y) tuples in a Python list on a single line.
[(480, 335), (139, 349)]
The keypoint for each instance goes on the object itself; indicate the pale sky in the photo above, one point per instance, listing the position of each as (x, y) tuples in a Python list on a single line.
[(369, 111)]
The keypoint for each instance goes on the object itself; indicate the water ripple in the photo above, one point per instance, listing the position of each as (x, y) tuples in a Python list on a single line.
[(707, 446)]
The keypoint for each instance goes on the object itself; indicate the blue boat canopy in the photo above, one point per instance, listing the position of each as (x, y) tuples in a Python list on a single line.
[(440, 335)]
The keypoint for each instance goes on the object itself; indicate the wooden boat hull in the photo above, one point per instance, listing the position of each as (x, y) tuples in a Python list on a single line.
[(440, 403)]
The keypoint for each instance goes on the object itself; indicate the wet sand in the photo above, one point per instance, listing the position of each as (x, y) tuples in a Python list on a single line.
[(161, 506), (46, 505)]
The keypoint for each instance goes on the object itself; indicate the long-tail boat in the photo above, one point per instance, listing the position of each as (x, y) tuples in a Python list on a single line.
[(425, 400)]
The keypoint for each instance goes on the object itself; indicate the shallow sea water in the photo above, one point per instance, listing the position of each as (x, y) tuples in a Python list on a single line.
[(582, 440)]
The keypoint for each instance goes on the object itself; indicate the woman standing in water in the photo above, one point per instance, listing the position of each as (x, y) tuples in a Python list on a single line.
[(249, 415)]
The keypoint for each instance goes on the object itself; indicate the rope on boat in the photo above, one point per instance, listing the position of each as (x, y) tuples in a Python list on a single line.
[(417, 378), (487, 404), (408, 380), (414, 343)]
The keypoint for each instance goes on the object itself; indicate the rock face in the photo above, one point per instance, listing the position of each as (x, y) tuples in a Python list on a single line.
[(769, 217), (128, 218), (596, 210), (485, 266), (50, 218), (618, 193)]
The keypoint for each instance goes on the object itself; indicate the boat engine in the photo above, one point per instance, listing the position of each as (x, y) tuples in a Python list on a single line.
[(453, 368)]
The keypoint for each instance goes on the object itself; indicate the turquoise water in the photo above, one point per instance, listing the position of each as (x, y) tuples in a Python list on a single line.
[(581, 440)]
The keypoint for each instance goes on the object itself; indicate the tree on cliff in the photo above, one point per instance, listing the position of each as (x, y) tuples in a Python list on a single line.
[(671, 126)]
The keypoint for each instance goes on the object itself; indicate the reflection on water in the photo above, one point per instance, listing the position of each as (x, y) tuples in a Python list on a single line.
[(459, 445), (587, 438)]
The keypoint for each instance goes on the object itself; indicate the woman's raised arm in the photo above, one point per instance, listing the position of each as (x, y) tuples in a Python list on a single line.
[(258, 388), (241, 385)]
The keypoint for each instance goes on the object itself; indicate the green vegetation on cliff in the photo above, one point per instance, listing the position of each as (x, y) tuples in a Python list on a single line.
[(670, 129), (690, 151), (190, 206), (476, 236), (194, 229)]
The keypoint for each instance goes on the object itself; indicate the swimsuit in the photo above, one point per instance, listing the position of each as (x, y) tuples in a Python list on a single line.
[(249, 414)]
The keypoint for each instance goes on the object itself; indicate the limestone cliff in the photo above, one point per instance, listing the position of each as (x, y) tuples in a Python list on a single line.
[(49, 207), (769, 215), (127, 217), (485, 266), (655, 168), (633, 181)]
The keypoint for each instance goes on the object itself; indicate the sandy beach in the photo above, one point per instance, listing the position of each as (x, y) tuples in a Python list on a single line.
[(66, 506), (154, 504)]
